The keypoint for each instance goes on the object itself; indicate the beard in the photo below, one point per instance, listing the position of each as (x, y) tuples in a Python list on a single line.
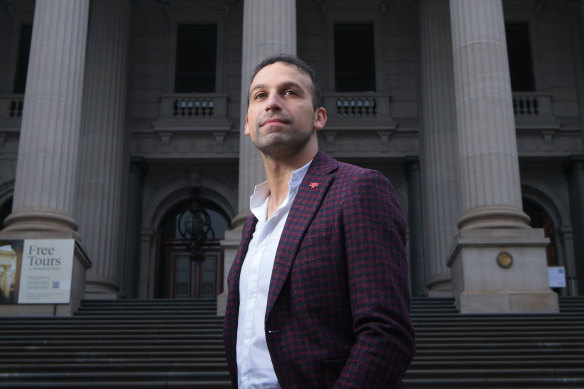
[(280, 142)]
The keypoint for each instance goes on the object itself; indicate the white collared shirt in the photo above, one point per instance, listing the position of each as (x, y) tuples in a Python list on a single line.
[(254, 365)]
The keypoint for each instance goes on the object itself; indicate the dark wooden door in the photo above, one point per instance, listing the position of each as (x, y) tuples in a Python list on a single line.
[(190, 275)]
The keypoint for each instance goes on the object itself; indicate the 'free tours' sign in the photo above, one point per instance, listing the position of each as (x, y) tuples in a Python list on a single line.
[(46, 271)]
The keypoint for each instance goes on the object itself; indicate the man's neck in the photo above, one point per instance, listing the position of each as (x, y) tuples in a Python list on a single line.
[(279, 174)]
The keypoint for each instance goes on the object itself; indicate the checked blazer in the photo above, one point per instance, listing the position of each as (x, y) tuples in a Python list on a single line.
[(338, 305)]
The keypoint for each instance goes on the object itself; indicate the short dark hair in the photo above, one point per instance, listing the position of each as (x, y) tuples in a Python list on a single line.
[(317, 100)]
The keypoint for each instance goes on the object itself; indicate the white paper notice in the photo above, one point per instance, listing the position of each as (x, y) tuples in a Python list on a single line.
[(557, 276), (47, 268)]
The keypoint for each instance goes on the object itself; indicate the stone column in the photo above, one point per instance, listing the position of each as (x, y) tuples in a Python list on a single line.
[(46, 172), (493, 226), (439, 156), (260, 40), (415, 223), (132, 271), (44, 193), (269, 28), (103, 139)]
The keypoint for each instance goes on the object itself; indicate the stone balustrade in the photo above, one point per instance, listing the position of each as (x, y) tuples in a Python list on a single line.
[(11, 106), (357, 104), (193, 106), (532, 104)]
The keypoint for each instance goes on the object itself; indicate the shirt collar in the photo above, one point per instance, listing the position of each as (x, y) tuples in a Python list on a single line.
[(261, 191)]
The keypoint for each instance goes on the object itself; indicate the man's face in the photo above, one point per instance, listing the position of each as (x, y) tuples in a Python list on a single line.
[(280, 118)]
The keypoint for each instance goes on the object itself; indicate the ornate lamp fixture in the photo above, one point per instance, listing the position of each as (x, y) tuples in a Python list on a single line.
[(194, 224)]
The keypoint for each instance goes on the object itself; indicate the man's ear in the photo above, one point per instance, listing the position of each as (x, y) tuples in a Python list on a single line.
[(319, 118), (246, 132)]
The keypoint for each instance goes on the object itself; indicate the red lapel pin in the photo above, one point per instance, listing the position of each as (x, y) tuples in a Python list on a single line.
[(313, 184)]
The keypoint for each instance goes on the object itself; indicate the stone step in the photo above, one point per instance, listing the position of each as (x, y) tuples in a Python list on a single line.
[(151, 383), (139, 373), (499, 372), (532, 382), (70, 360), (112, 366), (122, 352)]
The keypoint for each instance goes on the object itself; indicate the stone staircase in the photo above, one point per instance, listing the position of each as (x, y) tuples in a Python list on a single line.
[(177, 344), (497, 351), (117, 344)]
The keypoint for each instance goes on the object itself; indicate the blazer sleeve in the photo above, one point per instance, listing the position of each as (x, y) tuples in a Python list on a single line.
[(375, 236)]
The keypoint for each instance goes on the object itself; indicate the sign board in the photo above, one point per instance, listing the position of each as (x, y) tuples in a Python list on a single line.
[(557, 276), (10, 255), (46, 271)]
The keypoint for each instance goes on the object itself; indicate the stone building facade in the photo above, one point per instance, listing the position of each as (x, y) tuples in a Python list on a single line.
[(116, 116)]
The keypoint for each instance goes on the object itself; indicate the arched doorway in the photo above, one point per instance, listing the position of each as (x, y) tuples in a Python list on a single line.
[(541, 219), (184, 273)]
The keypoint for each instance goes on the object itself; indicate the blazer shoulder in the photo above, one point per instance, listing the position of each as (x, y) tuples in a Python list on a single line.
[(355, 173)]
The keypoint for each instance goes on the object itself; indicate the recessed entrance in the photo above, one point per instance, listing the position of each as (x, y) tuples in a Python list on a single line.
[(539, 218), (191, 275), (184, 273)]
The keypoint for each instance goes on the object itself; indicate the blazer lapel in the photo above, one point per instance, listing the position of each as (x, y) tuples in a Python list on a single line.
[(307, 201)]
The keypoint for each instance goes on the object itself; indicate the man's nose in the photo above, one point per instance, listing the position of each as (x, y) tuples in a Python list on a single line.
[(273, 102)]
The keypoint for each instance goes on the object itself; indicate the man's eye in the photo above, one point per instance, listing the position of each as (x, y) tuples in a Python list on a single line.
[(289, 92), (259, 95)]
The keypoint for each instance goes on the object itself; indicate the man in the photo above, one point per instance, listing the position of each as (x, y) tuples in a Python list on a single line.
[(318, 289)]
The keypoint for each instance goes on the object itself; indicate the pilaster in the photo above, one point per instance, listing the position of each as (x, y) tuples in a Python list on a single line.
[(132, 263), (415, 222), (575, 171)]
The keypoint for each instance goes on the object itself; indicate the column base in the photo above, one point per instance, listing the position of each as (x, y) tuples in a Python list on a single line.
[(440, 286), (98, 288), (501, 270), (41, 220)]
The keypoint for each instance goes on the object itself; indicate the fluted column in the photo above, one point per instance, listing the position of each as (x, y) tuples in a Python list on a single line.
[(269, 28), (103, 158), (439, 156), (499, 262), (44, 193), (491, 194)]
